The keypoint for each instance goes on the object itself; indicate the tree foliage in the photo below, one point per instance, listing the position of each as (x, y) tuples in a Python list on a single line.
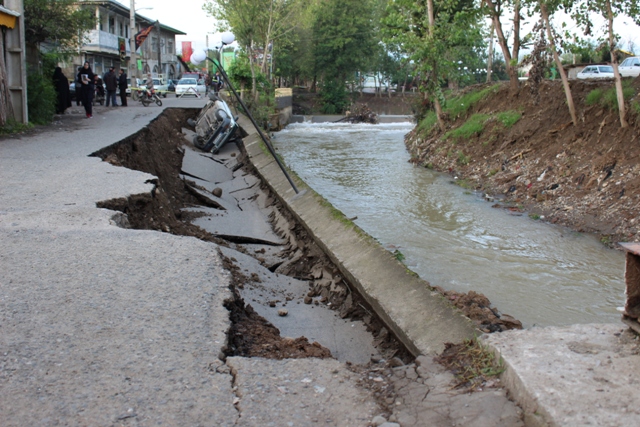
[(59, 22)]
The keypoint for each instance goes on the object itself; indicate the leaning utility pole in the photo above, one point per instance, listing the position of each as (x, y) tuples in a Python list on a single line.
[(133, 62)]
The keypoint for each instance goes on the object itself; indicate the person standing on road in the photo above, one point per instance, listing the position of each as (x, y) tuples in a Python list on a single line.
[(217, 82), (111, 81), (78, 88), (86, 76), (61, 84), (122, 85)]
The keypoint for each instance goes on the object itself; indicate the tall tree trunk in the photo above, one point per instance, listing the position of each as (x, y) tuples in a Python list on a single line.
[(563, 75), (490, 59), (436, 100), (616, 71), (502, 41), (254, 90)]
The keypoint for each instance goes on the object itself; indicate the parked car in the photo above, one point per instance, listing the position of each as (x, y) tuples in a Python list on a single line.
[(596, 72), (129, 85), (630, 67), (190, 86), (160, 86)]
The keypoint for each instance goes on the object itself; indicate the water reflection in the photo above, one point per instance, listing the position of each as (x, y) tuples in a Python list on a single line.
[(541, 274)]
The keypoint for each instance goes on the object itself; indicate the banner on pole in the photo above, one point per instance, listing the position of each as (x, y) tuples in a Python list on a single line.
[(142, 35), (187, 50), (122, 48)]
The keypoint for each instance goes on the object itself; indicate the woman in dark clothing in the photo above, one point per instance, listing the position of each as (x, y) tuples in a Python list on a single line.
[(61, 84), (78, 87), (86, 77), (122, 85)]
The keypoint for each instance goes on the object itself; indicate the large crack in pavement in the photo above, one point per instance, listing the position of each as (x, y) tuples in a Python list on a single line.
[(301, 339)]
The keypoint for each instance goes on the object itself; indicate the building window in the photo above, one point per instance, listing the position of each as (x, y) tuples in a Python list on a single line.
[(170, 47), (112, 25), (154, 44), (163, 47)]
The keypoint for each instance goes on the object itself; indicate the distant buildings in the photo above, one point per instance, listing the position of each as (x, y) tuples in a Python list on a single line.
[(156, 55)]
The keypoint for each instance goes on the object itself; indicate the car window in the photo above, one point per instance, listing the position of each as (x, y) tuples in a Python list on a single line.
[(627, 62), (586, 70), (606, 69), (187, 82), (635, 61)]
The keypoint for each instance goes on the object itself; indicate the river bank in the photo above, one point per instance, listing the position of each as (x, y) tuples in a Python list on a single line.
[(524, 154)]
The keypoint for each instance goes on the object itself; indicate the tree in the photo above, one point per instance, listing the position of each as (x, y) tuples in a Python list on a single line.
[(494, 9), (435, 36), (545, 7), (256, 24), (343, 42), (609, 9), (59, 22)]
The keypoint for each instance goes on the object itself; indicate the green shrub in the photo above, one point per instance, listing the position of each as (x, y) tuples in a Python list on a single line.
[(472, 127), (509, 118), (335, 98), (41, 97)]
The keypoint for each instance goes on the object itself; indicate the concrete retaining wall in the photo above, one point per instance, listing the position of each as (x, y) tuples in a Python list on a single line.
[(420, 317)]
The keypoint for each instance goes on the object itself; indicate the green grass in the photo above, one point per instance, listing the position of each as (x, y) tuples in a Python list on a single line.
[(462, 159), (428, 122), (472, 127), (534, 217), (398, 255), (594, 97), (509, 118), (458, 106), (610, 98)]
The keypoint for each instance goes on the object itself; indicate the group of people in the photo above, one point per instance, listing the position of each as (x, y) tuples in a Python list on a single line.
[(87, 84)]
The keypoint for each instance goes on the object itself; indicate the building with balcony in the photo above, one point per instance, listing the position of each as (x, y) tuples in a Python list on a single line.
[(156, 55)]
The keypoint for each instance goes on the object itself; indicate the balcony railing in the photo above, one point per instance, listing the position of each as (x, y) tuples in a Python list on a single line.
[(103, 41)]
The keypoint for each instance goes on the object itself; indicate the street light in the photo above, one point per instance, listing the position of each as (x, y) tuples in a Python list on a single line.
[(198, 57), (132, 43)]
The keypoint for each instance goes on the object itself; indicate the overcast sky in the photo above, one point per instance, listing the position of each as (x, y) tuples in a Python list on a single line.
[(184, 15), (188, 16)]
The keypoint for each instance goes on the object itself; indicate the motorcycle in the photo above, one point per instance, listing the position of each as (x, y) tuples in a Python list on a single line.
[(147, 96), (215, 125)]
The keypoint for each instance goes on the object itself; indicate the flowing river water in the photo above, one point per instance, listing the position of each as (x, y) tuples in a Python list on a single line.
[(539, 273)]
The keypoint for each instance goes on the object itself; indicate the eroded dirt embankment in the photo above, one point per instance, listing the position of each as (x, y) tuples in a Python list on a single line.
[(585, 177)]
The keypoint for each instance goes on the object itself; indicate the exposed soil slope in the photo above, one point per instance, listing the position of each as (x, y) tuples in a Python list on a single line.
[(585, 177)]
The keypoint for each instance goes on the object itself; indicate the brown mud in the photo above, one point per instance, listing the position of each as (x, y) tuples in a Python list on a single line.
[(584, 177), (156, 149)]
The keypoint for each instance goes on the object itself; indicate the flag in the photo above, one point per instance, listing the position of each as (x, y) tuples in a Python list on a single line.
[(142, 36), (122, 48), (186, 51)]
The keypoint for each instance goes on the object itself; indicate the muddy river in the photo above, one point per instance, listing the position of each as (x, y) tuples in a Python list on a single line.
[(539, 273)]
